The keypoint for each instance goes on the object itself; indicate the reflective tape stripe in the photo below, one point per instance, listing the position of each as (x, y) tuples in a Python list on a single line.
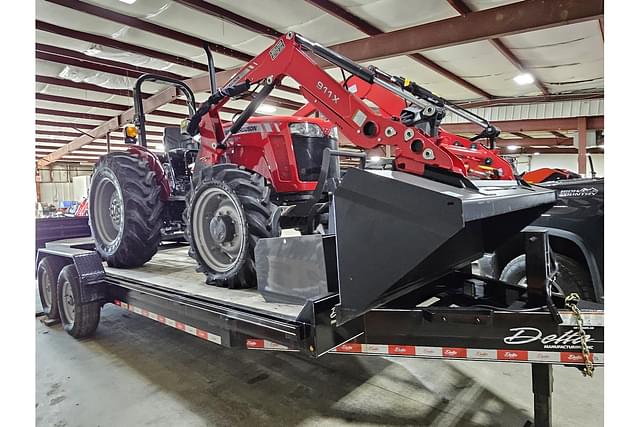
[(589, 318), (565, 357), (205, 335), (506, 355)]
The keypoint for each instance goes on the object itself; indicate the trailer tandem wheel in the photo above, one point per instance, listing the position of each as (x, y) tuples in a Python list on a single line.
[(79, 319), (48, 269)]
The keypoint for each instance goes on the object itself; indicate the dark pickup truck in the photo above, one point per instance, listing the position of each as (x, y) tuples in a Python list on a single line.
[(576, 233)]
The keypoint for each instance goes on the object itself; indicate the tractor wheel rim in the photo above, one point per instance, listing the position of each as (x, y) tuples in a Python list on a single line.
[(68, 302), (115, 209), (218, 227), (46, 294), (108, 211)]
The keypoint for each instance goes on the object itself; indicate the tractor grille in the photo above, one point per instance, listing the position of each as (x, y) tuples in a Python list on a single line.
[(308, 151)]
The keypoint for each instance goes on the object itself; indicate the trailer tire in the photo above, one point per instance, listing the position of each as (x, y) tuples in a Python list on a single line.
[(243, 210), (125, 210), (571, 276), (78, 319), (48, 269)]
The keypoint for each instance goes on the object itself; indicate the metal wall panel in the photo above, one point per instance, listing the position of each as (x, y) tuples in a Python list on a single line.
[(543, 110)]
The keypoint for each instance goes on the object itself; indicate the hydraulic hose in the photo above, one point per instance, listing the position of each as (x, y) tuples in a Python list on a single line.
[(216, 97)]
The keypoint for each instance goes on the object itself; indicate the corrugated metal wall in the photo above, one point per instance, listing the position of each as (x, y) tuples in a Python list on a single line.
[(543, 110)]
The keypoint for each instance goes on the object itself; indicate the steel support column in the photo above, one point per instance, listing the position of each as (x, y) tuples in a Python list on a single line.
[(582, 145), (542, 384)]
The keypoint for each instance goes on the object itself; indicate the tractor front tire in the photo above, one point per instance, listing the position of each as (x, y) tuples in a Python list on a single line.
[(125, 210), (227, 211)]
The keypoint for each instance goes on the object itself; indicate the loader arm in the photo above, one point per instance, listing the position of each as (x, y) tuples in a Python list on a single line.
[(480, 161), (415, 151)]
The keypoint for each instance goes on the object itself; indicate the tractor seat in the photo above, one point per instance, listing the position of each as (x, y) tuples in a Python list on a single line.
[(174, 140)]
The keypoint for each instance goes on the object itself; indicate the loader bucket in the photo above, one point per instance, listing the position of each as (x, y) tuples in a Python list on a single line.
[(396, 232)]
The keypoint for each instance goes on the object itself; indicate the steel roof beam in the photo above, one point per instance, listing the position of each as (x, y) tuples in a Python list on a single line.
[(99, 117), (528, 142), (42, 142), (44, 51), (241, 21), (514, 18), (553, 150), (118, 107), (87, 86), (117, 44), (70, 125), (227, 15), (532, 99), (150, 27), (371, 30), (74, 135), (77, 59), (463, 9)]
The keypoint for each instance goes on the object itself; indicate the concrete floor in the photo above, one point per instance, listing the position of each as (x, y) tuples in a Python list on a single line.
[(137, 372)]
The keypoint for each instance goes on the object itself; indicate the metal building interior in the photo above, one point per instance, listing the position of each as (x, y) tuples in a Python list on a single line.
[(533, 68)]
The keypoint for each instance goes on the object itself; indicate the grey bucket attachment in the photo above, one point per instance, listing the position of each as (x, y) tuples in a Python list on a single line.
[(396, 232), (294, 269)]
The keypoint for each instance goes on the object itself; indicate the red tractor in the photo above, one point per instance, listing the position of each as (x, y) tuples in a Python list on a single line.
[(240, 182)]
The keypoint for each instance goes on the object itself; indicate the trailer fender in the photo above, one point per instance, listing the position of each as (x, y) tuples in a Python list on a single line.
[(91, 274), (90, 271)]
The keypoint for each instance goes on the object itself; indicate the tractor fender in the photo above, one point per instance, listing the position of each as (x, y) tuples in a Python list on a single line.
[(156, 166), (594, 272)]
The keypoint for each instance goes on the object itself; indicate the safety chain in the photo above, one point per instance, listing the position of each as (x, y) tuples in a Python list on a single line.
[(572, 302)]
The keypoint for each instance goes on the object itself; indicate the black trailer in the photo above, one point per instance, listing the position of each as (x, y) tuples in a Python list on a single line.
[(461, 317)]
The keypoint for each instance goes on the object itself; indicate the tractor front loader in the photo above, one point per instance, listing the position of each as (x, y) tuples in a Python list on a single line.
[(371, 236)]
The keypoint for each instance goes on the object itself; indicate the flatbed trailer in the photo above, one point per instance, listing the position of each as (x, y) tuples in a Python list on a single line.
[(464, 317)]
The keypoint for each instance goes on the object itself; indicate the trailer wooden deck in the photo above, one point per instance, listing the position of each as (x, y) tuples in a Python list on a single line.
[(174, 270)]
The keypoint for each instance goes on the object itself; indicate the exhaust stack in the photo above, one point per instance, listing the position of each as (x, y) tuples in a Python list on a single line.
[(396, 232)]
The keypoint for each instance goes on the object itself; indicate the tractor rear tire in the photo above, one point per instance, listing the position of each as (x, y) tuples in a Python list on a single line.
[(227, 211), (125, 210)]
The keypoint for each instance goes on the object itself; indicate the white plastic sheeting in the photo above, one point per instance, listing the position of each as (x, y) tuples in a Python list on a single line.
[(97, 78), (565, 58), (389, 15), (127, 57)]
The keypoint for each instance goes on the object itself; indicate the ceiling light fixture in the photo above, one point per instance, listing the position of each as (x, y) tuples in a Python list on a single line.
[(536, 154), (374, 159), (512, 147), (128, 1), (523, 79), (266, 108)]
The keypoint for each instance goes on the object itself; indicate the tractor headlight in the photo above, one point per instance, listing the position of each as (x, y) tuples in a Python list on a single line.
[(306, 129)]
